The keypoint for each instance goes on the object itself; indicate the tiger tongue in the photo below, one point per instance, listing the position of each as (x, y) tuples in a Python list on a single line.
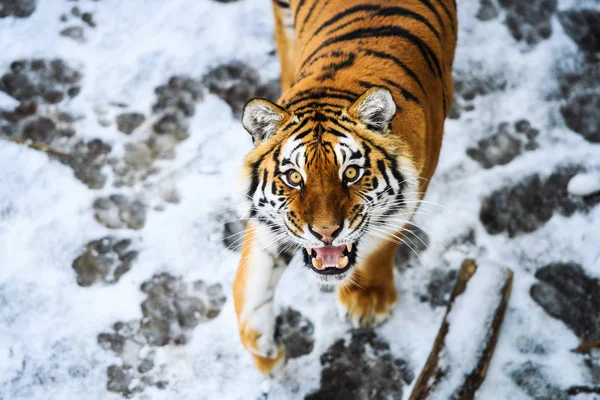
[(330, 255)]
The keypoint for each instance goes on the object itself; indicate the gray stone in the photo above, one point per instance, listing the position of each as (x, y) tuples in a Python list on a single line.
[(295, 331), (74, 32), (17, 8), (39, 129), (487, 10), (39, 80), (529, 21), (128, 122), (532, 379), (583, 26), (361, 367), (582, 115), (236, 83), (529, 204), (104, 260), (505, 145), (138, 155), (565, 292)]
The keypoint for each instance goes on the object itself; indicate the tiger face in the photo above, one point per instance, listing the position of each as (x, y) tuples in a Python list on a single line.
[(331, 181)]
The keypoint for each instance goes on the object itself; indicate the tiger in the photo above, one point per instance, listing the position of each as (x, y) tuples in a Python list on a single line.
[(342, 160)]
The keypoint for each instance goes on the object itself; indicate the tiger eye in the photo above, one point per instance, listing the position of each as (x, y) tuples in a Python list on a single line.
[(351, 173), (294, 177)]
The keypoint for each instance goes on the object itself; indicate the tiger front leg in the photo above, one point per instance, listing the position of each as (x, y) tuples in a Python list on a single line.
[(253, 293), (368, 297)]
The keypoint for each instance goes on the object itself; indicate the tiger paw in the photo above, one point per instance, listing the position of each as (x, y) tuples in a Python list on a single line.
[(272, 367), (268, 354), (366, 306)]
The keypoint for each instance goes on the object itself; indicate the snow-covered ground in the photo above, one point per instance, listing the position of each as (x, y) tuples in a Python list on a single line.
[(500, 193)]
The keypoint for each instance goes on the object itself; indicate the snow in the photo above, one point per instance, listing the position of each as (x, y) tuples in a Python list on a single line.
[(463, 345), (584, 184), (49, 324)]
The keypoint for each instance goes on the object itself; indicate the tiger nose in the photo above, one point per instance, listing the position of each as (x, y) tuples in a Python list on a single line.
[(325, 233)]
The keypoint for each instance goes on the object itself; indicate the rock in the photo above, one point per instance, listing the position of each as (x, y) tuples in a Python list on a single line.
[(173, 307), (137, 155), (583, 26), (105, 259), (17, 8), (175, 124), (236, 83), (233, 233), (88, 18), (74, 32), (179, 94), (128, 122), (119, 211), (505, 145), (439, 287), (567, 293), (487, 11), (361, 367), (87, 161), (39, 80), (120, 380), (295, 332), (162, 146), (582, 115), (530, 377), (584, 185), (39, 129), (529, 204), (529, 21), (417, 241), (471, 81)]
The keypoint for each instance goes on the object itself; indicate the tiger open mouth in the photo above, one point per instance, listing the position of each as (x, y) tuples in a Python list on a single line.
[(331, 260)]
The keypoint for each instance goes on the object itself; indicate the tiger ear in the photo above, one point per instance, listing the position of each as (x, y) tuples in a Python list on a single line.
[(374, 108), (261, 118)]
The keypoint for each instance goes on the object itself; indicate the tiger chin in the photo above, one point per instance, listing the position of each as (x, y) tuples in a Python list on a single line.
[(342, 160)]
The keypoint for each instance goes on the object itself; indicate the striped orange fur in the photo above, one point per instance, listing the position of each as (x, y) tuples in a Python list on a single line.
[(342, 159)]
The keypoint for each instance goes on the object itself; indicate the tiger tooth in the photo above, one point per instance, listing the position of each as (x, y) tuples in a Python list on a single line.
[(349, 247), (309, 251), (342, 262), (317, 263)]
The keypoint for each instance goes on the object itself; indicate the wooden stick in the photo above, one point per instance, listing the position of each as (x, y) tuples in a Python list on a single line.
[(586, 347), (35, 145), (446, 375)]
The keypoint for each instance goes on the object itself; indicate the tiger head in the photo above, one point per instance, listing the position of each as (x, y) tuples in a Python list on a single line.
[(329, 180)]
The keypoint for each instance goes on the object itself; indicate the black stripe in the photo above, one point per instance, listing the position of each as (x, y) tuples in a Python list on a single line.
[(302, 135), (297, 10), (319, 96), (310, 11), (345, 24), (282, 4), (381, 168), (431, 8), (335, 121), (448, 14), (386, 56), (349, 11), (301, 125), (385, 31), (407, 95), (337, 133), (403, 12), (304, 109), (329, 71), (324, 88)]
